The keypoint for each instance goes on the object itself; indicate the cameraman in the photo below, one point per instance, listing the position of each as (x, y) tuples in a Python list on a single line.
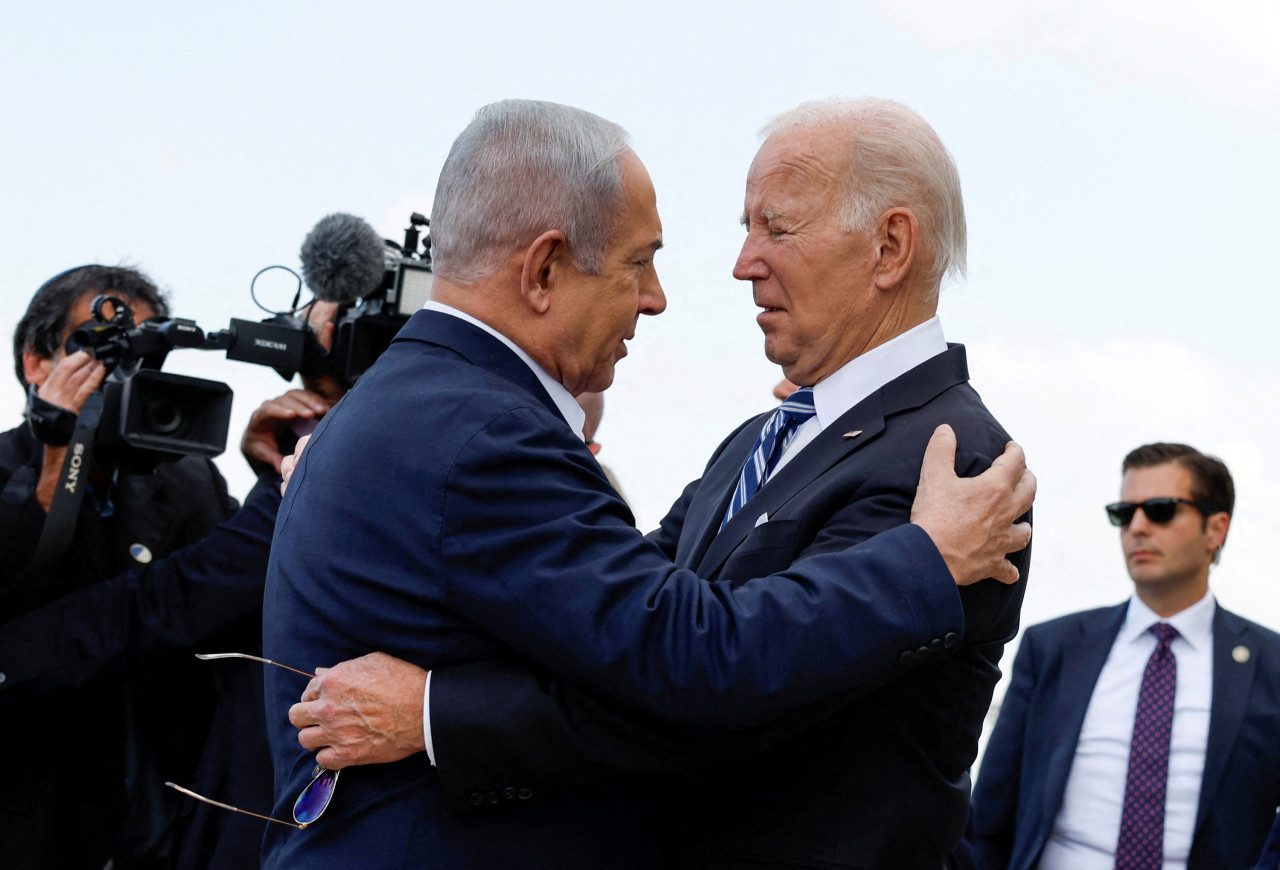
[(100, 696)]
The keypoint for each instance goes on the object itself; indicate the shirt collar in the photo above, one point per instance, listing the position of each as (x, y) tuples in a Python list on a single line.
[(562, 398), (1194, 624), (864, 374)]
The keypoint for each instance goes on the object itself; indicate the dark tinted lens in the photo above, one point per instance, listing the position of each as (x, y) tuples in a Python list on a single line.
[(315, 797), (1160, 510), (1121, 513)]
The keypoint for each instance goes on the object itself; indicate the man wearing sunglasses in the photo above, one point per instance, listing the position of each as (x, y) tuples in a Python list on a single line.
[(1143, 735)]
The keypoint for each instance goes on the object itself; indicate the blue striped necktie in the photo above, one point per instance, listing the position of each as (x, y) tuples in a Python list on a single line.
[(773, 440)]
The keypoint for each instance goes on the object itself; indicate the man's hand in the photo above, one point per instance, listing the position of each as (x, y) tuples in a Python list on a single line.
[(273, 428), (971, 520), (72, 380), (290, 462), (364, 711)]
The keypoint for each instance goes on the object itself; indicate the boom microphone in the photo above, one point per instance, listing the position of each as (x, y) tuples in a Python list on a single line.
[(343, 258)]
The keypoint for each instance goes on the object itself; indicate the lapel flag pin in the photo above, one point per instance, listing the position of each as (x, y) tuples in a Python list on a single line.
[(854, 434), (1240, 654)]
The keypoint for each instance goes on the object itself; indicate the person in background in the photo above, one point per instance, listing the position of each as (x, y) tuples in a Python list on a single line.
[(1141, 735), (75, 651), (593, 406)]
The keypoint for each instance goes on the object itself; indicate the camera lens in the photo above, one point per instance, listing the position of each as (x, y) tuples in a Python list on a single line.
[(162, 416)]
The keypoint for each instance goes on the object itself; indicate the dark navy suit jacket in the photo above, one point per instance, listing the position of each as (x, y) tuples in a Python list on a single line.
[(883, 782), (444, 513), (1024, 771)]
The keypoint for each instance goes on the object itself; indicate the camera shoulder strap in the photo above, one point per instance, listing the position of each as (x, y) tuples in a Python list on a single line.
[(64, 510)]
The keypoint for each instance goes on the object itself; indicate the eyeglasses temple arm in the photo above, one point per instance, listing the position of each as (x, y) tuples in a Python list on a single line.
[(208, 656), (189, 793)]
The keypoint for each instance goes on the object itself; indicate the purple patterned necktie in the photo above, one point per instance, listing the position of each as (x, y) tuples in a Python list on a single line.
[(1141, 845)]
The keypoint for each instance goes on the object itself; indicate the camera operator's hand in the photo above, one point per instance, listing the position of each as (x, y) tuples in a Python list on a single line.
[(68, 383), (272, 432), (72, 380)]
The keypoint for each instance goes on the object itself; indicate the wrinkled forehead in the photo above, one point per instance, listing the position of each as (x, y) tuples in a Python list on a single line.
[(799, 163), (819, 151)]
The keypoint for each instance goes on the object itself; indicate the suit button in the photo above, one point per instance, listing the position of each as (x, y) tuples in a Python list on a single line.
[(922, 653), (936, 645), (949, 640), (525, 793), (476, 799), (906, 657), (2, 677), (509, 793)]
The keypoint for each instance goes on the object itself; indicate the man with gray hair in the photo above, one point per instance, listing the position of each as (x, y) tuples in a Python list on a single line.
[(485, 544)]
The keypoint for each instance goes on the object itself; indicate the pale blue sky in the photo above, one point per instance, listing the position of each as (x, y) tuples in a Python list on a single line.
[(1118, 159)]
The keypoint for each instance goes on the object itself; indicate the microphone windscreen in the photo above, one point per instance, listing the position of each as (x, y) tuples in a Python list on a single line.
[(342, 258)]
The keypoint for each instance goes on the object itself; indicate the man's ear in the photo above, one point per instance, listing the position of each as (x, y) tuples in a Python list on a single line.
[(896, 242), (1217, 525), (35, 368), (544, 264)]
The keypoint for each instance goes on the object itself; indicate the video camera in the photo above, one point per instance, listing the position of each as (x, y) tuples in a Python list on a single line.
[(149, 416), (378, 284)]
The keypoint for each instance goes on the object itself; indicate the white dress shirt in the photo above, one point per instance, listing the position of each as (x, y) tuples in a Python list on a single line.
[(862, 376), (564, 402), (1087, 827)]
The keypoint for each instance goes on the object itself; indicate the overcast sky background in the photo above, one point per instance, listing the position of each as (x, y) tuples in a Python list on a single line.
[(1119, 163)]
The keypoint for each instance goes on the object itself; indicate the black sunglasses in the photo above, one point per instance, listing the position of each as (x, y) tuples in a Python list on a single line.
[(312, 801), (1158, 510)]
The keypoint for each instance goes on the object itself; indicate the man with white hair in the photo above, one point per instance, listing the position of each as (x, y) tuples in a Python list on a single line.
[(853, 215)]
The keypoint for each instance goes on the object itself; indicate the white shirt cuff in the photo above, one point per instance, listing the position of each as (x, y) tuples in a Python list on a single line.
[(426, 720)]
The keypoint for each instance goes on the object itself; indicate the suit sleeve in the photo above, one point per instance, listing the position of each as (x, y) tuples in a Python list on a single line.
[(667, 535), (193, 596), (564, 582), (994, 814), (495, 723)]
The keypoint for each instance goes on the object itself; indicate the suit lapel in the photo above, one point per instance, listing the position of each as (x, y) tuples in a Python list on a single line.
[(852, 431), (1083, 655), (818, 456), (707, 508), (1232, 680)]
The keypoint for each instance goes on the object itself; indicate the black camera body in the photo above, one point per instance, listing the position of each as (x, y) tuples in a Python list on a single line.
[(150, 416), (365, 328)]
